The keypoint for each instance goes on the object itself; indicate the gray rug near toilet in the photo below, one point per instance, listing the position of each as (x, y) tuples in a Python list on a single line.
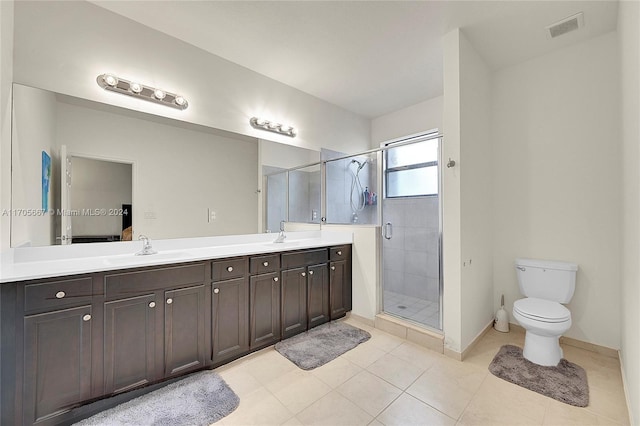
[(200, 399), (321, 344), (567, 382)]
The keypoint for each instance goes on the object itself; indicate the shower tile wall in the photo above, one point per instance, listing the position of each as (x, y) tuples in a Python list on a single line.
[(411, 265), (304, 197), (339, 181)]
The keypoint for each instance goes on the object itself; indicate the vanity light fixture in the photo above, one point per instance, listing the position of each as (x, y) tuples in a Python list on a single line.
[(141, 91), (272, 126)]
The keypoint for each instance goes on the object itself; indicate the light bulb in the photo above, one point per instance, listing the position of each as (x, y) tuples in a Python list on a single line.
[(110, 80), (180, 100), (273, 125), (135, 87), (159, 94), (261, 121), (293, 131), (284, 128)]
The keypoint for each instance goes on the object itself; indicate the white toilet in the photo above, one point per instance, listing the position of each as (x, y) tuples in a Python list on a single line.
[(546, 284)]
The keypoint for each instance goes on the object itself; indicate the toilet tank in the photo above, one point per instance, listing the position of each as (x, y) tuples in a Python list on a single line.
[(547, 279)]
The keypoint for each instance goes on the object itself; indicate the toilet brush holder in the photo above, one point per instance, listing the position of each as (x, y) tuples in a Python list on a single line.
[(501, 321)]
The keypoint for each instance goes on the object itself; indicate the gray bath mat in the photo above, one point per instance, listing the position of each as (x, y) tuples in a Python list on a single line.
[(200, 399), (567, 382), (320, 345)]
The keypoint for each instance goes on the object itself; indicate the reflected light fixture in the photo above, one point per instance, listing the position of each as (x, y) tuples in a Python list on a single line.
[(272, 126), (137, 90)]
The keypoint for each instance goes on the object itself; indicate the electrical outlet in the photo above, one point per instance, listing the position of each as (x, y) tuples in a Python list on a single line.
[(211, 215), (149, 215), (314, 214)]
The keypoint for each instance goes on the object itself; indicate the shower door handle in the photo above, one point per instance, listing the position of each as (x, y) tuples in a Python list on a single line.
[(388, 230)]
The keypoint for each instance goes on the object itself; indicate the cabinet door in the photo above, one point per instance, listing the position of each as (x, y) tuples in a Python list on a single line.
[(340, 288), (294, 301), (264, 308), (57, 365), (129, 343), (318, 290), (230, 317), (184, 330)]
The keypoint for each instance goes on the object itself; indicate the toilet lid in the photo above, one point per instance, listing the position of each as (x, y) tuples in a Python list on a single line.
[(542, 310)]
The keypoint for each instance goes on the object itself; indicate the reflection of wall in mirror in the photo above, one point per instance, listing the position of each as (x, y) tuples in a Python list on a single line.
[(180, 172), (32, 106)]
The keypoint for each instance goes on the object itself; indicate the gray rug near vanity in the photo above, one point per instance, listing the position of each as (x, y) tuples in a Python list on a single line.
[(198, 400), (322, 344)]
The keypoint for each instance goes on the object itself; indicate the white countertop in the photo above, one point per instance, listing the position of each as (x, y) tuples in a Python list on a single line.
[(29, 263)]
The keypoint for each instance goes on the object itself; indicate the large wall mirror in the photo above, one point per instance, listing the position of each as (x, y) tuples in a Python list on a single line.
[(128, 173)]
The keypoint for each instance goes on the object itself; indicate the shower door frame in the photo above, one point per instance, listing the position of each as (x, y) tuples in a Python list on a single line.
[(385, 146)]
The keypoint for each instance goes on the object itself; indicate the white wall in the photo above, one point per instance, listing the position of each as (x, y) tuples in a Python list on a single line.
[(98, 184), (418, 118), (6, 79), (629, 44), (556, 178), (34, 131), (63, 46), (475, 163), (178, 172), (451, 242)]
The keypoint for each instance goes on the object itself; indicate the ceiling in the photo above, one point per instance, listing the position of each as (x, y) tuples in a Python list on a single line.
[(368, 57)]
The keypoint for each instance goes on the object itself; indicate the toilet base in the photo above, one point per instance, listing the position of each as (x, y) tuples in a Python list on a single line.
[(542, 350)]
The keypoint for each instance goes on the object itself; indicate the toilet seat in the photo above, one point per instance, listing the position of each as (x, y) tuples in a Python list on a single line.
[(542, 310)]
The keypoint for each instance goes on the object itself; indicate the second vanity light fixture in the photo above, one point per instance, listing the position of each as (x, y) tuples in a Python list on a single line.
[(272, 126), (141, 91)]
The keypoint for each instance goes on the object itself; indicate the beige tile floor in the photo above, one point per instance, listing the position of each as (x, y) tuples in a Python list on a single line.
[(389, 381)]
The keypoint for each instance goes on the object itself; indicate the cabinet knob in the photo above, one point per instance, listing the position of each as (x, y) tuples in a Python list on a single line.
[(275, 279), (230, 269), (60, 294), (339, 253), (333, 268), (216, 290), (265, 264), (169, 301), (152, 304), (310, 272), (86, 317), (304, 274)]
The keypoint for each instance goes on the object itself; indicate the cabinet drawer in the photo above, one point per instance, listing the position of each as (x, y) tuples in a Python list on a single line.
[(229, 268), (264, 264), (57, 294), (297, 259), (339, 253), (142, 282)]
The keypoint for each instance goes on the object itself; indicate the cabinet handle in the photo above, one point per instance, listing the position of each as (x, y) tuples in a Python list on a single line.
[(169, 301), (230, 269), (310, 272), (333, 268), (265, 264), (152, 304), (339, 253), (86, 317), (216, 290), (304, 274), (60, 294), (275, 279)]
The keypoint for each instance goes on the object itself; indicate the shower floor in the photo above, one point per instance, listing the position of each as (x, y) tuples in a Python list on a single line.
[(411, 308)]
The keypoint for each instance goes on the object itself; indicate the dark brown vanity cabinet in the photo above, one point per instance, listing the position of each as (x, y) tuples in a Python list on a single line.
[(340, 281), (294, 301), (318, 295), (230, 310), (57, 362), (57, 336), (154, 325), (264, 306)]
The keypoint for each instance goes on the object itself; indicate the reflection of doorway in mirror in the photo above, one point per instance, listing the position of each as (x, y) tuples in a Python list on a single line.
[(100, 200)]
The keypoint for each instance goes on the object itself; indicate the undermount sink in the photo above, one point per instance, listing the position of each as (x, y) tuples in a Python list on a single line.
[(131, 259)]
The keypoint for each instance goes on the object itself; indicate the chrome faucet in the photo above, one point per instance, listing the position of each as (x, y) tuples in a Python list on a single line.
[(281, 235), (146, 246)]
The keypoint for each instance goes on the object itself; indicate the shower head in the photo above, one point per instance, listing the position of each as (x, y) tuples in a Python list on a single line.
[(360, 164)]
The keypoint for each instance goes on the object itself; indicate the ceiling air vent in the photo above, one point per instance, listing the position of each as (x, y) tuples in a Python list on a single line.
[(566, 25)]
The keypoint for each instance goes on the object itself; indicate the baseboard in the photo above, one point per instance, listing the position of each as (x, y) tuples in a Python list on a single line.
[(625, 389), (475, 341), (592, 347), (361, 319)]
